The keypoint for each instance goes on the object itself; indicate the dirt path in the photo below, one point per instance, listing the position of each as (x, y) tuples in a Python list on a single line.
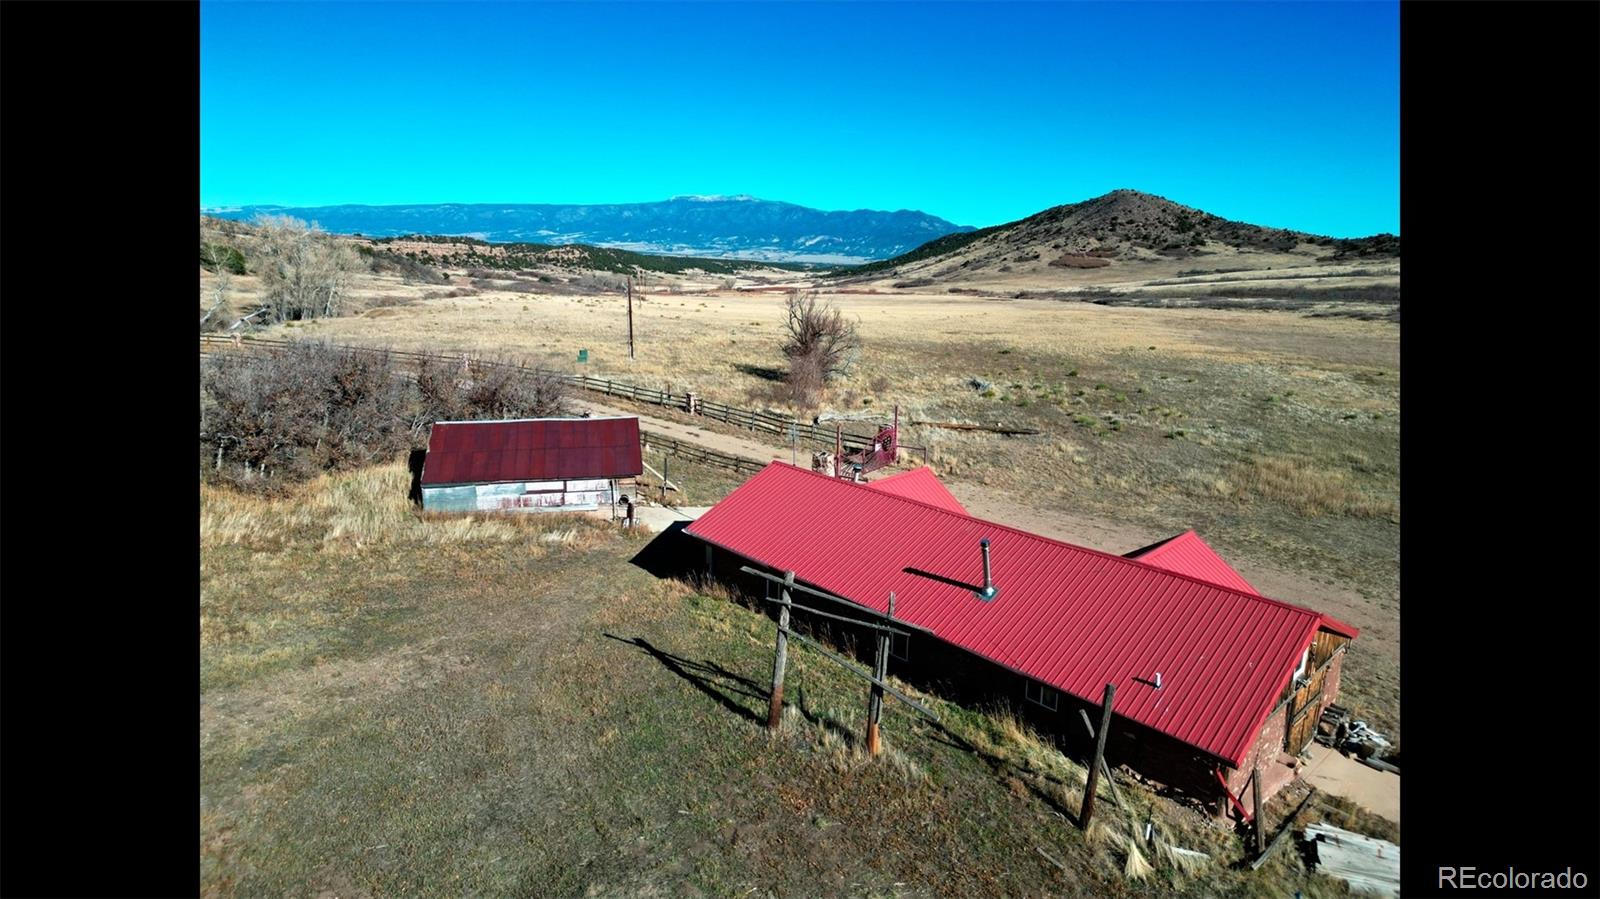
[(993, 505)]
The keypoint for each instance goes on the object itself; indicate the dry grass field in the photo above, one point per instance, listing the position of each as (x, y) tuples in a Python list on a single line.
[(393, 704), (1273, 433)]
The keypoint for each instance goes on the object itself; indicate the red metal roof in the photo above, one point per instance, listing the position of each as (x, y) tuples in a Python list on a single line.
[(1070, 617), (920, 484), (1188, 554), (532, 449)]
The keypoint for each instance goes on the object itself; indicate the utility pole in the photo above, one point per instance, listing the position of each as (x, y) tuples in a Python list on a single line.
[(630, 318)]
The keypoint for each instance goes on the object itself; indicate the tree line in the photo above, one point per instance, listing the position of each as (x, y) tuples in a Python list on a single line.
[(271, 418)]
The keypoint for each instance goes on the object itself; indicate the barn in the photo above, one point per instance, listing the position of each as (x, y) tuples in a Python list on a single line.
[(1213, 681), (529, 464)]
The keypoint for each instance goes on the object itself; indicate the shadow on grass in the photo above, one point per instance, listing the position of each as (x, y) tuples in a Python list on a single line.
[(760, 371), (1006, 768), (849, 733), (708, 677)]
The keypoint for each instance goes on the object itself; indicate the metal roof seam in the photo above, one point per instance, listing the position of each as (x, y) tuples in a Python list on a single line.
[(1086, 549)]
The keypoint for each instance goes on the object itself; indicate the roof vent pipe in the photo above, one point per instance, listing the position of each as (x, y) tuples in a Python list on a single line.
[(989, 591), (1158, 680)]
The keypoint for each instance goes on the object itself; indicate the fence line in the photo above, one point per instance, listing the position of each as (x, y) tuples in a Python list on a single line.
[(750, 419), (696, 453)]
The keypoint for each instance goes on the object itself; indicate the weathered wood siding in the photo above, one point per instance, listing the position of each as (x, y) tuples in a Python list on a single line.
[(520, 496)]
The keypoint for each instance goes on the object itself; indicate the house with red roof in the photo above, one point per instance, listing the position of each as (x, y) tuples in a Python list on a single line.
[(529, 464), (1212, 679)]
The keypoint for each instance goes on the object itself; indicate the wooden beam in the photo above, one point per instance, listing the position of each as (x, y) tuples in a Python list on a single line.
[(663, 477), (780, 657), (880, 670), (855, 606), (1283, 831), (1260, 823), (866, 624), (1099, 758), (1104, 767), (865, 675)]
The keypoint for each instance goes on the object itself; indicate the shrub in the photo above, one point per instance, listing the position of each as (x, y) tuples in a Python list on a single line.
[(304, 409), (820, 343), (219, 257)]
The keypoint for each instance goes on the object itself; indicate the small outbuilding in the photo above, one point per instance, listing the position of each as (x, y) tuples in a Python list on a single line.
[(529, 464)]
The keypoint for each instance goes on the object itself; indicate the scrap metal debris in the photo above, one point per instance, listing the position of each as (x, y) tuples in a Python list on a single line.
[(1368, 865)]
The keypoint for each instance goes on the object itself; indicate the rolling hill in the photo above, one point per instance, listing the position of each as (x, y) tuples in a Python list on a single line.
[(1121, 227)]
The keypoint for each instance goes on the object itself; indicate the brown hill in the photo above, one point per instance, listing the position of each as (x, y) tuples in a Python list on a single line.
[(1124, 226)]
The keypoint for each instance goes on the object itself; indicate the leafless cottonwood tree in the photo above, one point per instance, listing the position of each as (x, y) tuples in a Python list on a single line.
[(215, 258), (305, 273), (216, 314), (820, 343)]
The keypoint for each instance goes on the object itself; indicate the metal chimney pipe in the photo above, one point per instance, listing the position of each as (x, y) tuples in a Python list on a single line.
[(989, 591)]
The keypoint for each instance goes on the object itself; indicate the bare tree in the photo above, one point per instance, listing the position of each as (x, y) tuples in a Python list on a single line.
[(487, 390), (214, 316), (221, 260), (820, 343), (304, 272)]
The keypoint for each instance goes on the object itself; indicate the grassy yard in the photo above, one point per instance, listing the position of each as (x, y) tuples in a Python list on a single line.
[(393, 704)]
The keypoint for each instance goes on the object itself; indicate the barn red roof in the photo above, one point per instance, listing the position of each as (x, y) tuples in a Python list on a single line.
[(1188, 554), (1070, 617), (532, 449), (920, 484)]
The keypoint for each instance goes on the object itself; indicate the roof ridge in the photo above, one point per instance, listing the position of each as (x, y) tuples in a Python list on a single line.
[(1116, 558)]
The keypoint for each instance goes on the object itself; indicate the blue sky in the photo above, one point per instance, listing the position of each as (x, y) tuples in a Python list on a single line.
[(1280, 114)]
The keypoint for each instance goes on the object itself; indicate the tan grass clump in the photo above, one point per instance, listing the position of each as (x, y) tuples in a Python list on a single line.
[(1136, 867), (1306, 488)]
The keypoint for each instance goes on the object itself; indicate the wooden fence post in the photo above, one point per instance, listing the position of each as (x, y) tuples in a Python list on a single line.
[(880, 670), (1255, 790), (1104, 768), (780, 656), (1098, 760)]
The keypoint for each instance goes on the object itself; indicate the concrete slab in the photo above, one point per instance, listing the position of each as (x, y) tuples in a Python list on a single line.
[(658, 518), (1332, 772)]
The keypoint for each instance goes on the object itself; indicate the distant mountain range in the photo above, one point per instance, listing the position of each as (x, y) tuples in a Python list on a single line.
[(739, 227)]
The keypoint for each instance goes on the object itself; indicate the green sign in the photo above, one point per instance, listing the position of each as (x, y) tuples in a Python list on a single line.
[(583, 355)]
